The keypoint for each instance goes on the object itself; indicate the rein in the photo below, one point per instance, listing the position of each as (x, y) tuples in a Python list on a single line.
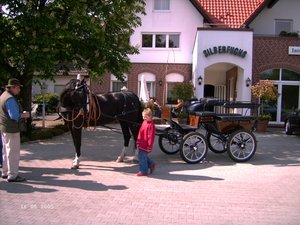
[(93, 105), (92, 115)]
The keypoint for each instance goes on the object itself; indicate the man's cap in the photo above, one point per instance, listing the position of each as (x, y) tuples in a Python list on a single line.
[(13, 82)]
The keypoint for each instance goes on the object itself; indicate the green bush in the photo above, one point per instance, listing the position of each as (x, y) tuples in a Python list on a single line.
[(51, 99), (288, 34), (183, 91), (41, 134), (45, 133)]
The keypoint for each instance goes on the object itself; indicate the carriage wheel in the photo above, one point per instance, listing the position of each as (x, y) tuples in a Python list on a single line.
[(288, 129), (215, 143), (193, 147), (169, 141), (241, 145)]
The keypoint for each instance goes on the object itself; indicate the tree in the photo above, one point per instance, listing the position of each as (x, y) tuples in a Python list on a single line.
[(265, 91), (38, 35), (183, 91)]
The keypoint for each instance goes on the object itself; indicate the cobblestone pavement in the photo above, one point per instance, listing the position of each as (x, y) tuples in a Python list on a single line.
[(265, 190)]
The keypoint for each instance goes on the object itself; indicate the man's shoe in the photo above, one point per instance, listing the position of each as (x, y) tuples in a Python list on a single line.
[(4, 176), (139, 174), (17, 179)]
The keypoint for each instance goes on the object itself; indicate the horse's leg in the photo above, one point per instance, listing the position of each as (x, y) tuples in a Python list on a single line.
[(126, 136), (76, 136), (135, 131)]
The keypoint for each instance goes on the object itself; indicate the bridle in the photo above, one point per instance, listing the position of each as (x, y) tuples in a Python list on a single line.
[(81, 110)]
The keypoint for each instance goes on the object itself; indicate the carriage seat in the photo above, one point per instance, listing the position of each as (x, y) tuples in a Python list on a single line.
[(184, 127), (188, 128)]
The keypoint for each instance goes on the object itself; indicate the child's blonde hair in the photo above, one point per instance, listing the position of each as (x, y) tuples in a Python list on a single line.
[(148, 112)]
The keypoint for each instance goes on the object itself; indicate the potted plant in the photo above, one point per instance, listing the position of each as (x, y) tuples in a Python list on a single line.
[(265, 91)]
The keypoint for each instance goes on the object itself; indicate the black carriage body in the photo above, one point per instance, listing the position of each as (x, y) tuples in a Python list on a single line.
[(229, 132)]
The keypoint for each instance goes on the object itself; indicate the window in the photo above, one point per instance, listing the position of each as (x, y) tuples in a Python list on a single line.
[(160, 41), (147, 41), (161, 4), (171, 99), (290, 75), (174, 41), (117, 85), (150, 88), (288, 84), (283, 25), (272, 74)]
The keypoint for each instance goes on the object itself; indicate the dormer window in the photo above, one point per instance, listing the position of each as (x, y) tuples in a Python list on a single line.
[(283, 25), (162, 5)]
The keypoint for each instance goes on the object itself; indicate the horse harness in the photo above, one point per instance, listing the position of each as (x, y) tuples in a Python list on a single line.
[(93, 104)]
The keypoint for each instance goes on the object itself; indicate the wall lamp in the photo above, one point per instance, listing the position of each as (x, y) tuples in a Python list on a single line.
[(160, 83), (200, 79), (248, 82)]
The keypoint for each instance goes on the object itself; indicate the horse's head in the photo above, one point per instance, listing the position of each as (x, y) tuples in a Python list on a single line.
[(74, 96)]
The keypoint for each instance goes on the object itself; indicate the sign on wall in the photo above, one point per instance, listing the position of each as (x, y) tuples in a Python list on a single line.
[(225, 49), (294, 50)]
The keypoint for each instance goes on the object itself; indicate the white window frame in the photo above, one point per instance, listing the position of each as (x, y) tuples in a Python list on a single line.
[(154, 40), (113, 79), (159, 4)]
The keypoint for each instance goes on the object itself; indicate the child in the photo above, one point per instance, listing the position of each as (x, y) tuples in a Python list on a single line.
[(145, 142)]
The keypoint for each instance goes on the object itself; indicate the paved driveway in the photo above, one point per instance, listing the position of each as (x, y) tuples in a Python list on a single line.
[(265, 190)]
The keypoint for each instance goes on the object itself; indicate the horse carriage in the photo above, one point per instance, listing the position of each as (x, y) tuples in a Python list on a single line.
[(224, 131)]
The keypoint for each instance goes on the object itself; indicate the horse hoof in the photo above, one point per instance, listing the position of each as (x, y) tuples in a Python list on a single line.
[(120, 159), (75, 167)]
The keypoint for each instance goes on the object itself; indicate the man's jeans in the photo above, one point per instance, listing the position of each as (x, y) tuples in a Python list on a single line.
[(144, 161)]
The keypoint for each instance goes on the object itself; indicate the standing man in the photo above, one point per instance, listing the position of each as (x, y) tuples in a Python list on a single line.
[(1, 146), (10, 120)]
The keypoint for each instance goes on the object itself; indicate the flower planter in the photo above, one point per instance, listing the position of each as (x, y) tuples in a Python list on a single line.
[(262, 125)]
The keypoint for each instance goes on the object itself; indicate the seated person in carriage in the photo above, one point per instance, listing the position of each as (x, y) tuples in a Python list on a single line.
[(178, 108), (154, 106)]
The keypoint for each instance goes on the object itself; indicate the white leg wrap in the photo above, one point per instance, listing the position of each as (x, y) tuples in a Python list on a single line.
[(122, 156), (75, 164)]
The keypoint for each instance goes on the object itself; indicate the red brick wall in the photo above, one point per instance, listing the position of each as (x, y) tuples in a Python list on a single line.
[(158, 69), (272, 53)]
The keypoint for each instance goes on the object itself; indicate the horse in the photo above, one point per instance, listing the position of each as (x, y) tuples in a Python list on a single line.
[(79, 108)]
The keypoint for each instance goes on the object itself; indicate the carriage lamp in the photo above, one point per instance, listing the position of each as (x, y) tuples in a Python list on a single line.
[(248, 82), (200, 79), (160, 83)]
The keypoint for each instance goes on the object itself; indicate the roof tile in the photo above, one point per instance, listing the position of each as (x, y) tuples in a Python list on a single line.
[(231, 13)]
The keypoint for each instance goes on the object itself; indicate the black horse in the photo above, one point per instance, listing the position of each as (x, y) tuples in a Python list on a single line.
[(81, 108)]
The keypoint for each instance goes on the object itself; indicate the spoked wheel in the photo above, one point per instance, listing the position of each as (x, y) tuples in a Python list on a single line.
[(193, 148), (215, 143), (241, 145), (169, 141)]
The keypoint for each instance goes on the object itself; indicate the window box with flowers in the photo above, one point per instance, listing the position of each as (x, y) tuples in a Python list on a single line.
[(265, 91)]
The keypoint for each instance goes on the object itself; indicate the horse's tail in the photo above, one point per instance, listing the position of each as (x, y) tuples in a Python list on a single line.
[(140, 115)]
